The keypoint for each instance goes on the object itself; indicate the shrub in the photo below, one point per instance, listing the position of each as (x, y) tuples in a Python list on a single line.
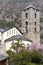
[(36, 57)]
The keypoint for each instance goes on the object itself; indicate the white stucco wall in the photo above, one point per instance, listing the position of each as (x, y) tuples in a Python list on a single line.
[(5, 35), (8, 44)]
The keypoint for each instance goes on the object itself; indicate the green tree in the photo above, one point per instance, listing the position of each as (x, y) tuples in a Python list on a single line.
[(2, 23), (36, 56), (18, 46), (20, 56)]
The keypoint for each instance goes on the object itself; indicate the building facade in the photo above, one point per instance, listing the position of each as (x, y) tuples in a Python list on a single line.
[(8, 36), (30, 30), (31, 24)]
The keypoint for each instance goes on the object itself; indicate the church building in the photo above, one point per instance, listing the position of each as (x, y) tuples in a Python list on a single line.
[(7, 36), (29, 34)]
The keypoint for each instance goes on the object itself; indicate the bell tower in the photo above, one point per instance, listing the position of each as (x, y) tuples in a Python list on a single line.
[(31, 24)]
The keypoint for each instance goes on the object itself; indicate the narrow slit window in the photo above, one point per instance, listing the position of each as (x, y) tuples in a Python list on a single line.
[(35, 29), (26, 30), (26, 27), (26, 23), (35, 23), (35, 15), (26, 15)]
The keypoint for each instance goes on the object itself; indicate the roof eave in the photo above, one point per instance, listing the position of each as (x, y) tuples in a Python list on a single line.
[(29, 8)]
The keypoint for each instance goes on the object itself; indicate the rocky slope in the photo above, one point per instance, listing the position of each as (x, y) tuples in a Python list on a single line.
[(18, 5)]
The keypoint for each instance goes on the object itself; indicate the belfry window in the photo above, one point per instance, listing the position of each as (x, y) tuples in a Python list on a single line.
[(26, 27), (35, 23), (26, 23), (35, 29), (26, 15), (35, 15)]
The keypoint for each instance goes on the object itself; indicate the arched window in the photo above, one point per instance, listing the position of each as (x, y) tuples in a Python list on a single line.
[(35, 15), (26, 23), (35, 30), (26, 15), (26, 27), (35, 23)]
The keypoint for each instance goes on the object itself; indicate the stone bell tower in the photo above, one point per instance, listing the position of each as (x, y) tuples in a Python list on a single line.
[(31, 23)]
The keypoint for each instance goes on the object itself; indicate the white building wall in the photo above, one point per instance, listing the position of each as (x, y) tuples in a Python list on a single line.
[(8, 44), (5, 35)]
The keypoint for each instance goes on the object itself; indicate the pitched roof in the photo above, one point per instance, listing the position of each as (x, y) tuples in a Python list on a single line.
[(2, 57), (31, 6), (6, 29), (17, 37), (18, 30), (2, 30)]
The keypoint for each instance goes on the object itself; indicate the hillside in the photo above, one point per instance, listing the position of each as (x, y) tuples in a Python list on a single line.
[(19, 5), (16, 6), (20, 0)]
